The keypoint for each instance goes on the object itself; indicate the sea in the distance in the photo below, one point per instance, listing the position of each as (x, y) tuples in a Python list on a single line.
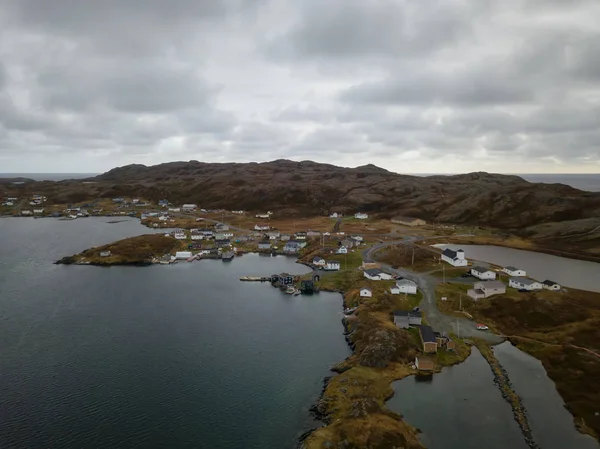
[(587, 181), (182, 356)]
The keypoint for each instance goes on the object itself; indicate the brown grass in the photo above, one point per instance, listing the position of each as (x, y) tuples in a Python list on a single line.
[(370, 226), (547, 325), (137, 249)]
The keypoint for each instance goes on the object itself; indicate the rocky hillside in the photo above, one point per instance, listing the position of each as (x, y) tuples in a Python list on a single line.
[(309, 188)]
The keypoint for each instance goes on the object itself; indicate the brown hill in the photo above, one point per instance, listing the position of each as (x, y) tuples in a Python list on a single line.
[(309, 188)]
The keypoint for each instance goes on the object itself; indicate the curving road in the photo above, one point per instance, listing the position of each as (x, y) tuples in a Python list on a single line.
[(427, 283)]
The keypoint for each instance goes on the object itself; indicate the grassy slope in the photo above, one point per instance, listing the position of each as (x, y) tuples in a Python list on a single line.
[(137, 249), (546, 324)]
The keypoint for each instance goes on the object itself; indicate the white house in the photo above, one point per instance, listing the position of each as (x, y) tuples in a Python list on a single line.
[(515, 272), (332, 265), (197, 236), (342, 250), (261, 227), (105, 253), (334, 215), (376, 274), (179, 235), (26, 212), (550, 285), (318, 261), (486, 289), (174, 209), (189, 207), (454, 258), (366, 292), (404, 286), (183, 254), (358, 238), (38, 211), (522, 283), (483, 273), (361, 215)]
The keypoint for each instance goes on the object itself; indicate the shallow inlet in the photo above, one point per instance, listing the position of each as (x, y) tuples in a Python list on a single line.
[(462, 408), (551, 423), (459, 408)]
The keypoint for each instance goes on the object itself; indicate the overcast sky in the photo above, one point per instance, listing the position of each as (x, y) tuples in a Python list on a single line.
[(413, 86)]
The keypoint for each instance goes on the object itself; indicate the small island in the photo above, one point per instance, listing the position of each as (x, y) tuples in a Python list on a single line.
[(139, 250)]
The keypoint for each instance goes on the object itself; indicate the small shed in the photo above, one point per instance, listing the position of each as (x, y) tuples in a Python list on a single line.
[(423, 363), (366, 292)]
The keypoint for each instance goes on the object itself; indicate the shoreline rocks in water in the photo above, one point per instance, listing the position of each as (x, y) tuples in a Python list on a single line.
[(502, 381)]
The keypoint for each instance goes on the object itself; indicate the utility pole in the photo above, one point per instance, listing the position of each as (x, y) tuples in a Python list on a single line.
[(444, 274), (346, 261), (460, 302), (458, 327), (413, 256)]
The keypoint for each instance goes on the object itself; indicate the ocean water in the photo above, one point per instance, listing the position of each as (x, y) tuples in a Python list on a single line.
[(153, 357), (48, 176)]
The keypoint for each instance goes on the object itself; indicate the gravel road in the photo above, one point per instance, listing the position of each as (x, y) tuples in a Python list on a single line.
[(427, 283)]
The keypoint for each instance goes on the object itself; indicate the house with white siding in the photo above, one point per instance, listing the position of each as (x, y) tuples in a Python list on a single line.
[(361, 215), (522, 283), (318, 261), (179, 234), (454, 258), (483, 273), (404, 286), (486, 289), (376, 274), (515, 272), (342, 250), (366, 292), (550, 285), (332, 265), (189, 207)]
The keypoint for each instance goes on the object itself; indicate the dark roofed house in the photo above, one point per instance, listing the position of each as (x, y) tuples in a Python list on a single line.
[(406, 318), (283, 278), (222, 242), (550, 285), (428, 338)]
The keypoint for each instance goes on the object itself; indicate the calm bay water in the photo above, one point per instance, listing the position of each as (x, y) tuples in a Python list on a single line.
[(573, 273), (162, 356), (461, 407)]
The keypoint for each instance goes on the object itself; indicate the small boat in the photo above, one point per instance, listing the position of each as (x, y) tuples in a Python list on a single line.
[(291, 290)]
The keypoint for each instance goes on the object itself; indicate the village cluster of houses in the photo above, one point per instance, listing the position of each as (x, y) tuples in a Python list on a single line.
[(10, 201), (489, 285), (431, 340)]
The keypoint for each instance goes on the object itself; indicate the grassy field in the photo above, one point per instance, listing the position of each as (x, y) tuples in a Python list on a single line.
[(401, 256), (351, 225), (551, 326)]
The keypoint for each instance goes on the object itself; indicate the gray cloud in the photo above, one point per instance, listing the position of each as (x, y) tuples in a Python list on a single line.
[(452, 85)]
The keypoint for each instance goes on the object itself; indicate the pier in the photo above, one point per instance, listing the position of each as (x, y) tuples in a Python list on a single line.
[(256, 278)]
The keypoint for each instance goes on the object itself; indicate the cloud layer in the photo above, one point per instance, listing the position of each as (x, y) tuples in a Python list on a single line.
[(437, 86)]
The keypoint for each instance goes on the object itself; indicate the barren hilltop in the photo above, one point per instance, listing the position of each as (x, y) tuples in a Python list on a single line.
[(546, 211)]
